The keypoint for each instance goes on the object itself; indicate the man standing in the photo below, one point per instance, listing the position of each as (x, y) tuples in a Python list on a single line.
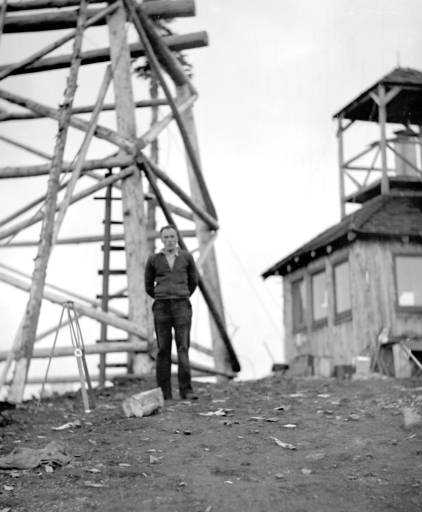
[(170, 279)]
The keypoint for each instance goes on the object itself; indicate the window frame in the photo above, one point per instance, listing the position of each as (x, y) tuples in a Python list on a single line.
[(347, 314), (296, 328), (320, 322), (400, 308)]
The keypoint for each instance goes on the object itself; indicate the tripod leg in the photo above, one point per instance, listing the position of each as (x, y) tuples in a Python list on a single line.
[(51, 354), (85, 366), (79, 355)]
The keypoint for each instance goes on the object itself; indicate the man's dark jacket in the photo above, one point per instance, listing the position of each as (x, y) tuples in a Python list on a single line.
[(162, 282)]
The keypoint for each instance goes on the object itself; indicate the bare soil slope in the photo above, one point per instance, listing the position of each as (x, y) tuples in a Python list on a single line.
[(277, 444)]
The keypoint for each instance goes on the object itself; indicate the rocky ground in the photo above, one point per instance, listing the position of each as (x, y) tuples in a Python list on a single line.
[(276, 444)]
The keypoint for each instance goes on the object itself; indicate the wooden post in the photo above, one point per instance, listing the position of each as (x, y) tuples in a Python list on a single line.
[(382, 119), (3, 10), (420, 147), (134, 218), (154, 156), (209, 265), (341, 166), (32, 312)]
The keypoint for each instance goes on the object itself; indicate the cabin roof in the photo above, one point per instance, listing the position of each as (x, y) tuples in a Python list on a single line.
[(388, 217), (404, 108)]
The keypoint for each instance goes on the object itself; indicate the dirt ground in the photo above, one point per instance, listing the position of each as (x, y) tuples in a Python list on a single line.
[(346, 448)]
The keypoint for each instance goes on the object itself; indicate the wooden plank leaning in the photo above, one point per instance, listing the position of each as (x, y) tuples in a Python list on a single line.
[(89, 311)]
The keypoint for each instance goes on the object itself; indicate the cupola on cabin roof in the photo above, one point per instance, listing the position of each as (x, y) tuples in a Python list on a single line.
[(405, 108)]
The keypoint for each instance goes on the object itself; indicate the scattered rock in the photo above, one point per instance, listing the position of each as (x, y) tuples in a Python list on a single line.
[(143, 404), (282, 444), (71, 424), (411, 417)]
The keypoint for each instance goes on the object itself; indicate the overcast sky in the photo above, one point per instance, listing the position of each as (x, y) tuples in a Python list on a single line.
[(272, 77)]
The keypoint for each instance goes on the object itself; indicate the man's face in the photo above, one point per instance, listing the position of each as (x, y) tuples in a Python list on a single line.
[(169, 239)]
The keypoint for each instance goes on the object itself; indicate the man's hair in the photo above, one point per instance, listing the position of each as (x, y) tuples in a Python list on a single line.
[(169, 226)]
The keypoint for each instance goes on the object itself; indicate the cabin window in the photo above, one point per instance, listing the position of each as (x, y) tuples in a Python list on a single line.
[(319, 297), (342, 296), (409, 282), (298, 305)]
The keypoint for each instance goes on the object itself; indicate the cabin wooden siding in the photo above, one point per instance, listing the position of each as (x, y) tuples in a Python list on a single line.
[(373, 300)]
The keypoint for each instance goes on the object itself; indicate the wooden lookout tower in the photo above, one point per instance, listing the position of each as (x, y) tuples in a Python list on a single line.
[(116, 161)]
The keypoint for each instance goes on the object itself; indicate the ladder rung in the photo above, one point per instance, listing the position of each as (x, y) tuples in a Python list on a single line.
[(114, 340), (113, 296), (114, 248), (114, 272), (97, 198), (115, 365)]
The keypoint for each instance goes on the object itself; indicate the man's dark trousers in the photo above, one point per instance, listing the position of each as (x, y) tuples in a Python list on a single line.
[(172, 314)]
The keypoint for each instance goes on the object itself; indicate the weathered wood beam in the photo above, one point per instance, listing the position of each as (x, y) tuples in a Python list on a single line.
[(201, 348), (68, 293), (3, 9), (32, 311), (8, 70), (84, 109), (13, 230), (98, 348), (28, 5), (205, 216), (152, 133), (175, 43), (81, 309), (25, 147), (26, 171), (154, 154), (58, 20), (101, 131), (197, 371), (90, 239)]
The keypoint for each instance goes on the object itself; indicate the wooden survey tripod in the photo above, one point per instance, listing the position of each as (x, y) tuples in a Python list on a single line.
[(79, 353)]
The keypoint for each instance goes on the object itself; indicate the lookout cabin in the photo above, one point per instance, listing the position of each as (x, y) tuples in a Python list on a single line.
[(356, 288)]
